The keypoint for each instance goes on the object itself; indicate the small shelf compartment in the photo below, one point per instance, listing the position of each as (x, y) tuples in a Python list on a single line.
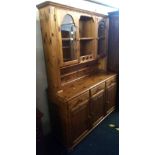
[(87, 37), (86, 47), (87, 27)]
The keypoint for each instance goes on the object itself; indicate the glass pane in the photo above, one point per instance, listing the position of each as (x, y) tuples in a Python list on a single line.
[(68, 33)]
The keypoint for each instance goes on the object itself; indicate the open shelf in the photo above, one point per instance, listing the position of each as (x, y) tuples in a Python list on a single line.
[(86, 47), (86, 38), (86, 27)]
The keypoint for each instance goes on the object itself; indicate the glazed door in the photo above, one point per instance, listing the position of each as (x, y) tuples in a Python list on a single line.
[(97, 108), (67, 36), (79, 120), (103, 26), (101, 51), (110, 97)]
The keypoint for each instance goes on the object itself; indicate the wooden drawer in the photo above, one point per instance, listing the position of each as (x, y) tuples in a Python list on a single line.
[(97, 88), (78, 100), (110, 81)]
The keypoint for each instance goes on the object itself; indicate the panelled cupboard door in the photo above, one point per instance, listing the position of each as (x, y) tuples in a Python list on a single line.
[(97, 108), (79, 119), (110, 97), (67, 33)]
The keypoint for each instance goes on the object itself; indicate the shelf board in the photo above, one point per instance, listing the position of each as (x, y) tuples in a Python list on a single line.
[(67, 39), (87, 38)]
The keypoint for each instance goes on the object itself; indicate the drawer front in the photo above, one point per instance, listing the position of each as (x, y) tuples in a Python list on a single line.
[(97, 88), (111, 81), (78, 100)]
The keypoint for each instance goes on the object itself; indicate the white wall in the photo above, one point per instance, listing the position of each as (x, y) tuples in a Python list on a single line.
[(41, 80)]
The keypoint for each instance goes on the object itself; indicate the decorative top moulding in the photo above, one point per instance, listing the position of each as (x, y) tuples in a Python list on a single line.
[(48, 3)]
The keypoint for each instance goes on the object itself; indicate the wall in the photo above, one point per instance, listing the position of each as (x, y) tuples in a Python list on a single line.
[(41, 79)]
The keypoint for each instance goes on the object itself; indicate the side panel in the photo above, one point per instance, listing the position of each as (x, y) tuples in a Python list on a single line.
[(47, 23)]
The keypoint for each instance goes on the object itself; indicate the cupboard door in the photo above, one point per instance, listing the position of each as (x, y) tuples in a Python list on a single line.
[(67, 36), (79, 120), (97, 107), (110, 97)]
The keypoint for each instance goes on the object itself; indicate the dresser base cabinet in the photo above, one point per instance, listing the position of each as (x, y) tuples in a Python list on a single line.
[(81, 113)]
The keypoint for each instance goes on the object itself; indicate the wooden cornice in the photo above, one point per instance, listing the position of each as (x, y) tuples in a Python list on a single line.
[(48, 3)]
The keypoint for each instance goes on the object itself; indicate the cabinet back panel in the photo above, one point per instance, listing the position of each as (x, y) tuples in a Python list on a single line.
[(86, 47), (76, 72), (86, 26)]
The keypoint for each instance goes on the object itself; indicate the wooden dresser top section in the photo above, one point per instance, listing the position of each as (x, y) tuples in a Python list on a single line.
[(74, 89), (48, 3)]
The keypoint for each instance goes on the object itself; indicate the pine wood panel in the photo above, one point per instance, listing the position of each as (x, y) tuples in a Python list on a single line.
[(79, 119), (97, 107), (49, 43)]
